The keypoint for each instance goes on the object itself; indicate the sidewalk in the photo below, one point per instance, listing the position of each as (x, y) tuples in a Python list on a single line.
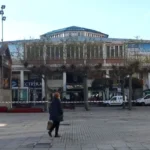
[(98, 129)]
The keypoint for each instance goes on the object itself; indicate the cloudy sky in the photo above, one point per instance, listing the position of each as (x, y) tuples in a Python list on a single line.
[(119, 18)]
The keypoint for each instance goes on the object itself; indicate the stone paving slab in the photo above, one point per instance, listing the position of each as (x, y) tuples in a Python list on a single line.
[(98, 129)]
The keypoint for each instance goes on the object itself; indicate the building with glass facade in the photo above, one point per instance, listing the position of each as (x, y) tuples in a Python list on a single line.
[(71, 45)]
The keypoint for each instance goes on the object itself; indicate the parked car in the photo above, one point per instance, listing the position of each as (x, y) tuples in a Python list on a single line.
[(114, 101), (145, 100)]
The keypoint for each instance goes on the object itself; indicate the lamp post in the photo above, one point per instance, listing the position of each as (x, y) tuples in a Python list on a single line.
[(3, 17)]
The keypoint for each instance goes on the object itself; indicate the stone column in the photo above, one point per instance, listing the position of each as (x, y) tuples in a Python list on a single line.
[(22, 78), (64, 83), (114, 47), (25, 51), (149, 80), (44, 54), (99, 51), (43, 88), (107, 72), (104, 54), (85, 53), (118, 51), (107, 89), (64, 53)]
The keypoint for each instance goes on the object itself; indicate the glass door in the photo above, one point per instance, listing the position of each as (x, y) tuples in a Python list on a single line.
[(23, 95)]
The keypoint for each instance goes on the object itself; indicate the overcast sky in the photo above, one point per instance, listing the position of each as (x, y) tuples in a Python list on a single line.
[(119, 18)]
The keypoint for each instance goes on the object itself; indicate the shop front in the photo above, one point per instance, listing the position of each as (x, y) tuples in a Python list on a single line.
[(35, 90), (29, 95)]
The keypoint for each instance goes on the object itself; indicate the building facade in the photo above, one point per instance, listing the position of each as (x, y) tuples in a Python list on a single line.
[(71, 45)]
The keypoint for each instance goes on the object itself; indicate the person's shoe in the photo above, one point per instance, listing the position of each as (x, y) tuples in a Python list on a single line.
[(57, 135), (50, 134)]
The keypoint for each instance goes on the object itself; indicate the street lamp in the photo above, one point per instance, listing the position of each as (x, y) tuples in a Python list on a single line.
[(3, 17)]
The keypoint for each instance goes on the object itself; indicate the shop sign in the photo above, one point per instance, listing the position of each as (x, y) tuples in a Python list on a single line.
[(33, 83)]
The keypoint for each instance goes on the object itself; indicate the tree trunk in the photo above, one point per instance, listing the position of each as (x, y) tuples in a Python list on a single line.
[(86, 105), (123, 94), (46, 106), (105, 94), (130, 92)]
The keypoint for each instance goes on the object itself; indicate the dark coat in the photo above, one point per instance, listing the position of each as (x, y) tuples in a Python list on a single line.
[(55, 110)]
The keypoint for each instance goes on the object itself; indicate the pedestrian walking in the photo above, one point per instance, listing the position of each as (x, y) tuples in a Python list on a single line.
[(56, 114)]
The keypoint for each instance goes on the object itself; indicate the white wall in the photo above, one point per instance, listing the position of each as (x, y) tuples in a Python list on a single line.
[(59, 83), (55, 83)]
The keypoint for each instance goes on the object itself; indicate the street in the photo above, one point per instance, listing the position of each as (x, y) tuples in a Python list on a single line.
[(100, 128)]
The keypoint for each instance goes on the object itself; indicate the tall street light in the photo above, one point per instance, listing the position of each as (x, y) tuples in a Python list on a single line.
[(3, 17)]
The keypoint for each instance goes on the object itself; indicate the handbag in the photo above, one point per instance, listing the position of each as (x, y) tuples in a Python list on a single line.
[(49, 124)]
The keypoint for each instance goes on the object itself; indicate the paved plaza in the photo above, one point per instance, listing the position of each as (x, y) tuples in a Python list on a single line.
[(98, 129)]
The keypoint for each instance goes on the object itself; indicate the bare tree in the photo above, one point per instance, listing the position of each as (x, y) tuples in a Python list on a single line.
[(37, 61)]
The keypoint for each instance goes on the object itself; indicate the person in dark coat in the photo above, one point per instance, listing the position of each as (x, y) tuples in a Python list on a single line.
[(56, 114)]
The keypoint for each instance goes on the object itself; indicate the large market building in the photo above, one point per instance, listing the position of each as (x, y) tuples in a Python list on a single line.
[(71, 45)]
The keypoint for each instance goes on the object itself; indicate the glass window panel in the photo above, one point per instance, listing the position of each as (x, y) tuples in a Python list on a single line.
[(81, 52), (116, 51), (61, 52), (108, 51), (96, 52), (47, 51), (57, 53), (68, 52), (101, 52), (112, 52), (52, 52), (88, 52), (92, 52), (121, 51)]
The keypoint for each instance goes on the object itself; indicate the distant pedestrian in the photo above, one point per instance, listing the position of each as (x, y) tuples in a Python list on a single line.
[(56, 114)]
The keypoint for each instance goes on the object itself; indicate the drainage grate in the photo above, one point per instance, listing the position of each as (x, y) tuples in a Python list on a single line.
[(43, 145), (37, 145), (32, 145)]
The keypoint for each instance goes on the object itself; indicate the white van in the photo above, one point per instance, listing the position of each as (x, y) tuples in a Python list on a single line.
[(144, 100), (115, 100)]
